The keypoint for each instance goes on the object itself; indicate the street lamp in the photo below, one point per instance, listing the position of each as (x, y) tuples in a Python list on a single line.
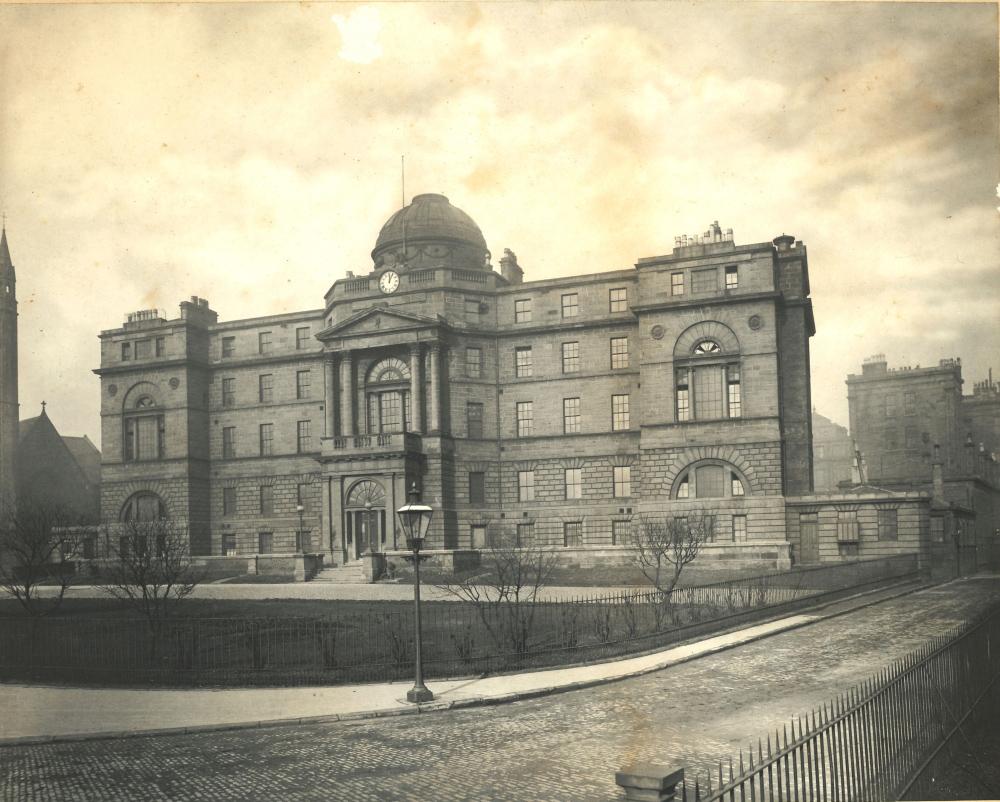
[(299, 508), (415, 519)]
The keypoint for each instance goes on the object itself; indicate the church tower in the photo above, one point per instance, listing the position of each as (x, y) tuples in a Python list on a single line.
[(8, 373)]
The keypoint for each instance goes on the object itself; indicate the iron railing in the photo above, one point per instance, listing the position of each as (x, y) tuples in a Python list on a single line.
[(373, 641), (887, 738)]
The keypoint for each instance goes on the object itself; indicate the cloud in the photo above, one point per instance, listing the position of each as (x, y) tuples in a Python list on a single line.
[(359, 33)]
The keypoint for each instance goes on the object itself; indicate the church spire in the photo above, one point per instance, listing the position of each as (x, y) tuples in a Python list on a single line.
[(6, 265)]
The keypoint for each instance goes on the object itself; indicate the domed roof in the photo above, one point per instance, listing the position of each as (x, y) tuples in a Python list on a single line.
[(429, 217)]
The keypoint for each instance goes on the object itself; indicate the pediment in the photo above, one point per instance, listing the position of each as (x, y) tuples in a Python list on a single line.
[(379, 320)]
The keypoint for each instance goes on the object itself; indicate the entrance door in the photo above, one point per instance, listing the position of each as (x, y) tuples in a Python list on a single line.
[(808, 538), (367, 526), (364, 519)]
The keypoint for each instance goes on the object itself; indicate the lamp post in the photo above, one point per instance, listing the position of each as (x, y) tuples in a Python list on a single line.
[(415, 519), (299, 508)]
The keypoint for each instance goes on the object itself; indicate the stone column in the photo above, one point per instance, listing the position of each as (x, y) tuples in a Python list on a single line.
[(433, 403), (416, 418), (347, 394), (329, 395)]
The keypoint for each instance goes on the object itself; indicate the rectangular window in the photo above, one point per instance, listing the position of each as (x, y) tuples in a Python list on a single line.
[(733, 397), (739, 527), (301, 338), (525, 419), (161, 346), (937, 529), (732, 277), (267, 499), (229, 544), (144, 438), (619, 353), (525, 485), (474, 363), (228, 392), (909, 403), (525, 535), (683, 396), (477, 534), (303, 436), (229, 501), (709, 481), (522, 362), (737, 485), (571, 415), (704, 281), (708, 392), (570, 357), (264, 342), (570, 305), (474, 419), (619, 533), (303, 384), (265, 541), (472, 309), (126, 352), (265, 388), (618, 299), (676, 283), (228, 347), (891, 406), (142, 349), (522, 310), (888, 525), (847, 526), (477, 487), (619, 413), (622, 481), (228, 442), (574, 483), (266, 439), (573, 534)]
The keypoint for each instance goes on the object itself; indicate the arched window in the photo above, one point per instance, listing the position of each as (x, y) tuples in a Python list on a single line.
[(144, 435), (142, 507), (710, 479), (387, 390), (707, 382), (366, 493)]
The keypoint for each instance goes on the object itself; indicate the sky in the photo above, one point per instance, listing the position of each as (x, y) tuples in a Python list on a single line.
[(250, 153)]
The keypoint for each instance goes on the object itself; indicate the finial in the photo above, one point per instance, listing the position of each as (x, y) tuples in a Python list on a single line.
[(43, 407)]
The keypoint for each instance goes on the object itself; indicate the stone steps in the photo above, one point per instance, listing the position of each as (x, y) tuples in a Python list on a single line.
[(342, 574)]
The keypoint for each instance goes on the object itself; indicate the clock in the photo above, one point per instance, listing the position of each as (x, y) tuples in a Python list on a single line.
[(389, 281)]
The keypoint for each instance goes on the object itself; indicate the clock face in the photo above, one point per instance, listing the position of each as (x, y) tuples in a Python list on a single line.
[(389, 281)]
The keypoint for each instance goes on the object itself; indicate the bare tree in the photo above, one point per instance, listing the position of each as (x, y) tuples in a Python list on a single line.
[(150, 569), (37, 548), (664, 547), (505, 593)]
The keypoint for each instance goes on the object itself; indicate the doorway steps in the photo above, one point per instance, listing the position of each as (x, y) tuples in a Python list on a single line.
[(342, 574)]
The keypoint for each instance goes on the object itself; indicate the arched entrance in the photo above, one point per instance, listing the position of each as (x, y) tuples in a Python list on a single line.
[(364, 518)]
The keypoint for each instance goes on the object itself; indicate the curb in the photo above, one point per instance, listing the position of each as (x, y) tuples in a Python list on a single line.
[(476, 701)]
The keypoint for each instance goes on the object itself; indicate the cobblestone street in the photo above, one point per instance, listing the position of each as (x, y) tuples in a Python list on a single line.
[(562, 747)]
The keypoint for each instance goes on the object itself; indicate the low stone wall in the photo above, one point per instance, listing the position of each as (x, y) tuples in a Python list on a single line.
[(766, 555), (446, 561), (295, 567)]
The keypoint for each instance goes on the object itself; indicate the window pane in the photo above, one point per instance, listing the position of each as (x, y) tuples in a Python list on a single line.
[(704, 280), (676, 283), (570, 357), (301, 337), (732, 278), (525, 419), (573, 533), (473, 363), (708, 481), (266, 438), (570, 305), (303, 382), (708, 392), (622, 481), (619, 299), (619, 413), (571, 415), (477, 487), (522, 362), (390, 411), (264, 342), (574, 483), (739, 527), (304, 436), (228, 346), (734, 397), (526, 485), (474, 419), (737, 484), (522, 310), (619, 533), (619, 352)]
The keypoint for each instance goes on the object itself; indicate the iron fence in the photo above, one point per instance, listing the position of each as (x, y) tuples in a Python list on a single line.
[(373, 641), (887, 738)]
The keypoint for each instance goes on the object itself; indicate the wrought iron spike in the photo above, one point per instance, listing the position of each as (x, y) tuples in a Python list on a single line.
[(730, 768), (769, 746)]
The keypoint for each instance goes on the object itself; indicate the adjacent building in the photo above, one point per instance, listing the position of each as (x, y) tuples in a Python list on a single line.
[(909, 422), (833, 454), (555, 411)]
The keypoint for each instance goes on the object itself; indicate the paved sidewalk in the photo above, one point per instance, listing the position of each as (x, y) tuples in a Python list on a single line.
[(47, 712)]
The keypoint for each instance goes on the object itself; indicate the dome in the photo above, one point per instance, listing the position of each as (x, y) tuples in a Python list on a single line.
[(428, 218)]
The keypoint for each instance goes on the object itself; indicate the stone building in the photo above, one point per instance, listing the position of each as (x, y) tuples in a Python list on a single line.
[(906, 420), (8, 374), (833, 454), (556, 410)]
